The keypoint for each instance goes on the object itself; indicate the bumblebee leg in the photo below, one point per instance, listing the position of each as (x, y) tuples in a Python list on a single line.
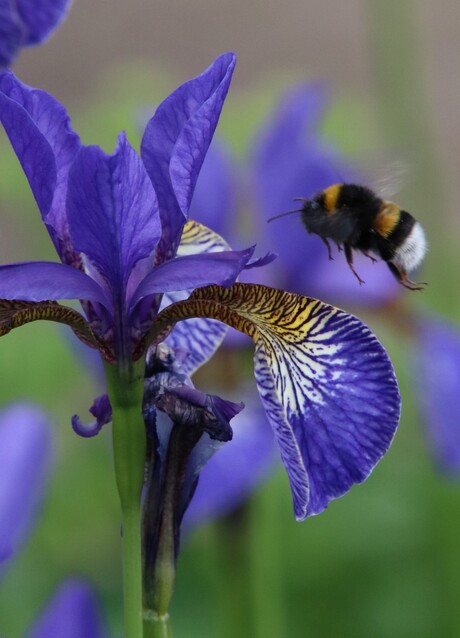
[(373, 259), (349, 256), (328, 245), (401, 276)]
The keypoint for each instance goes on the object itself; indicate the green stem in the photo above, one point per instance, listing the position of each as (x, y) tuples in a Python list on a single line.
[(125, 387)]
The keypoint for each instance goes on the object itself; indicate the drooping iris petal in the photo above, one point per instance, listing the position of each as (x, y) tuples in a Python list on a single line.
[(230, 477), (326, 384), (25, 454), (199, 338), (437, 372), (112, 211), (40, 133), (175, 142), (40, 280), (71, 613), (41, 17)]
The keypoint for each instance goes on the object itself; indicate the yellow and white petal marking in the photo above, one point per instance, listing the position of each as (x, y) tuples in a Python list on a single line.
[(200, 337), (326, 384)]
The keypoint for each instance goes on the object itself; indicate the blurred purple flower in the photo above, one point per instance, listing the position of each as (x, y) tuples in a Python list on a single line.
[(71, 613), (25, 456), (24, 23), (437, 372)]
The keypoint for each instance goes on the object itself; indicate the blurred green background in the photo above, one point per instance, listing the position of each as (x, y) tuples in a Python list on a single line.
[(385, 559)]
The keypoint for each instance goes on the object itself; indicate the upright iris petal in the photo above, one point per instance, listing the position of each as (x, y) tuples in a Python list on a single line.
[(175, 143)]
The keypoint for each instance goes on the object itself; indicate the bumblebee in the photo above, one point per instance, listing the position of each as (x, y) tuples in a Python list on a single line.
[(355, 218)]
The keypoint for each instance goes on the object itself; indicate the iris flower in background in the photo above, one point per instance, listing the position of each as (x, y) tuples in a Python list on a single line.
[(437, 375), (25, 23), (25, 460), (145, 276)]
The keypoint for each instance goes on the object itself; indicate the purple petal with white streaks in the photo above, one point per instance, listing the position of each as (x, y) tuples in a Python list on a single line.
[(333, 403)]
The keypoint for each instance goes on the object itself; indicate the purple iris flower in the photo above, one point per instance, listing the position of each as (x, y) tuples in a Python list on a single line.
[(115, 220), (24, 23), (25, 455), (119, 225)]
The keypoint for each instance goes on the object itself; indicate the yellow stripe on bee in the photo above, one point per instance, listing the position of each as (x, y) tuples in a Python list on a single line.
[(331, 195), (387, 219)]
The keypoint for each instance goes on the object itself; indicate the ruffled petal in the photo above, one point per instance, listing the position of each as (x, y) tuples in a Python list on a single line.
[(175, 142), (231, 476), (25, 455), (437, 372), (40, 280), (40, 132), (41, 17), (71, 613), (112, 211), (326, 383)]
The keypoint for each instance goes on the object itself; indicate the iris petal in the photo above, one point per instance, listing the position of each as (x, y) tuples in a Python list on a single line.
[(193, 271), (41, 17), (40, 280), (175, 142), (112, 211), (40, 133), (326, 384), (10, 34)]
